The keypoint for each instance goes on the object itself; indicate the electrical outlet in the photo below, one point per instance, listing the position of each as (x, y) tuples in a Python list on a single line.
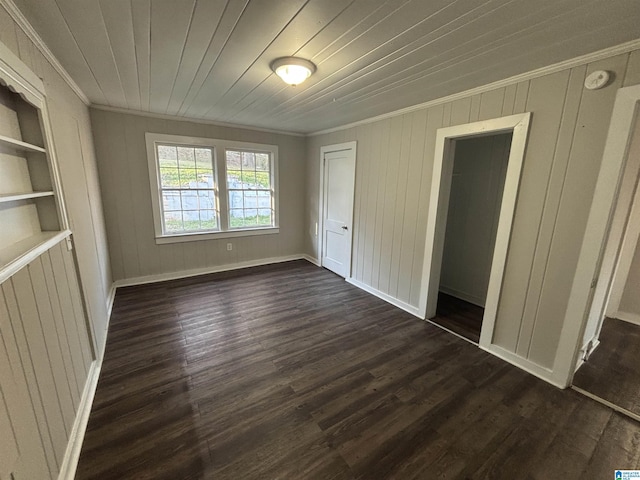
[(229, 247)]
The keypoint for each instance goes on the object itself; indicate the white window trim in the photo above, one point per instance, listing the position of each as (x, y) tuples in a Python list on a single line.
[(219, 147)]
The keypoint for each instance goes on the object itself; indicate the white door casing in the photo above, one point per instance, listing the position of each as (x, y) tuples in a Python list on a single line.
[(438, 205), (336, 220), (581, 299)]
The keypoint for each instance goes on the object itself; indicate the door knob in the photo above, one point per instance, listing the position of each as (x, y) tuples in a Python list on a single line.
[(344, 227)]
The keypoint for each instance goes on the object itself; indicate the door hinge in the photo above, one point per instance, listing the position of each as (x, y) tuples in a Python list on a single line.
[(69, 244)]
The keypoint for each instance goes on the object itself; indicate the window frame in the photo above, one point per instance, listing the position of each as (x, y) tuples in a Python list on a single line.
[(219, 148)]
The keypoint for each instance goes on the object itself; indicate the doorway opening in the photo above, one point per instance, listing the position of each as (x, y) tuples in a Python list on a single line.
[(607, 366), (477, 182), (506, 134)]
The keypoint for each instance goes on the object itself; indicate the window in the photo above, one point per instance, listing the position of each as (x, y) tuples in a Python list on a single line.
[(205, 188)]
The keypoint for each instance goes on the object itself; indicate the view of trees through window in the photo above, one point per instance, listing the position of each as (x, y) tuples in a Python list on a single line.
[(249, 188)]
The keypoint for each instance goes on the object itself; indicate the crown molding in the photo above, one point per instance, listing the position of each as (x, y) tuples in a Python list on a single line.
[(17, 16), (539, 72), (163, 116)]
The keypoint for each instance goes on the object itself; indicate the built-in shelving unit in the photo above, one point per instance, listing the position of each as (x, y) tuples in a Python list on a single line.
[(32, 216)]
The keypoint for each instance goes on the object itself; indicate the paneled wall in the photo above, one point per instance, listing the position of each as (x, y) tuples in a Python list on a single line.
[(479, 171), (124, 178), (46, 348), (563, 155), (45, 356), (76, 160)]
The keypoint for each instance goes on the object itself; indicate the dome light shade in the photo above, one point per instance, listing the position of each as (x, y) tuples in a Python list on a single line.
[(293, 70)]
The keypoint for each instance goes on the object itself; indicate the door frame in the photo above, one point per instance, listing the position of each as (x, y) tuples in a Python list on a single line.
[(338, 147), (590, 268), (518, 126), (628, 248), (618, 251)]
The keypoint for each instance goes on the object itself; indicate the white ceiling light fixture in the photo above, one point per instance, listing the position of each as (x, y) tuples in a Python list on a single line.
[(293, 70)]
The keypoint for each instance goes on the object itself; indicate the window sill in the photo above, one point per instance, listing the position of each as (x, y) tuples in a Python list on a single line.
[(197, 237)]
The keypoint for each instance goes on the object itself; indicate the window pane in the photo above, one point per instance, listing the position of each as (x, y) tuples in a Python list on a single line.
[(208, 220), (263, 179), (188, 178), (167, 156), (191, 220), (171, 201), (186, 157), (236, 218), (248, 161), (205, 179), (189, 200), (233, 160), (250, 200), (249, 179), (264, 217), (264, 200), (203, 159), (262, 161), (173, 222), (251, 217), (169, 177), (234, 179), (236, 199), (206, 200)]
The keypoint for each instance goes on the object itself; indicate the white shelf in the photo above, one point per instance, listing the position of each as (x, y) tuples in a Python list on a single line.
[(12, 197), (19, 254), (20, 145)]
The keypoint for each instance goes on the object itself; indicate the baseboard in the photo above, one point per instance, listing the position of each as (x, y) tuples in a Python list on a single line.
[(627, 317), (164, 277), (462, 296), (387, 298), (74, 446), (311, 259), (601, 400), (534, 369)]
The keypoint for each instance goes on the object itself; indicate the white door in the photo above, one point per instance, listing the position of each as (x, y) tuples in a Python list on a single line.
[(338, 188)]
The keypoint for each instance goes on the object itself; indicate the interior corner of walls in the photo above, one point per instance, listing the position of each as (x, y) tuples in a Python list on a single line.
[(311, 259), (396, 302), (628, 317)]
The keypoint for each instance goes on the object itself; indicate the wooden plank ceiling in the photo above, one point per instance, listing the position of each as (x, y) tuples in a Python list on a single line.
[(209, 59)]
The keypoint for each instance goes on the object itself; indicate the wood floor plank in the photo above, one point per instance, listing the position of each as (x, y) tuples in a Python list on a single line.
[(288, 372)]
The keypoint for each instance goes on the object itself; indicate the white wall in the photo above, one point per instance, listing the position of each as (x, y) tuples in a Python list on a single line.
[(561, 165), (126, 195), (630, 302), (479, 170)]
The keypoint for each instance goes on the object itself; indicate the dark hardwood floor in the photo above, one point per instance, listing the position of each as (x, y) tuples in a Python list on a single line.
[(459, 316), (289, 372), (613, 370)]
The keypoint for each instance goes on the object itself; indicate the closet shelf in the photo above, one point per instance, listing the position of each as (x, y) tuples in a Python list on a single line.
[(13, 197), (19, 254), (20, 145)]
